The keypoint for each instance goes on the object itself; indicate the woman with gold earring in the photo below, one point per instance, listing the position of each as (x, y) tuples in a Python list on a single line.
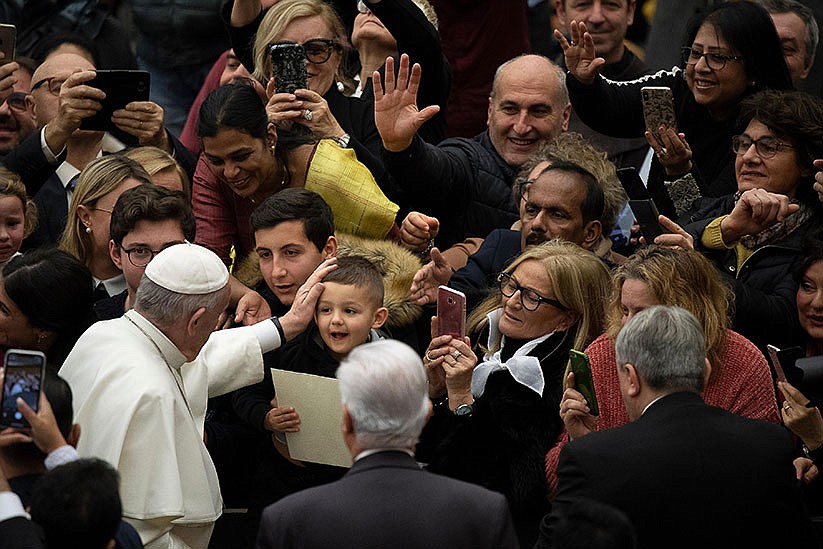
[(86, 236)]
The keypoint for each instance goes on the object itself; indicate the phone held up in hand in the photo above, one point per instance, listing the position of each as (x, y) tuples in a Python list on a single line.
[(451, 312), (288, 61), (24, 373), (583, 382), (641, 204), (8, 43), (121, 88), (658, 108)]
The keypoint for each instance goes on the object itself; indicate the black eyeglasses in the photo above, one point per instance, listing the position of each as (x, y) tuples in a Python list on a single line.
[(319, 50), (523, 188), (715, 61), (766, 147), (140, 256), (17, 101), (53, 82), (530, 299)]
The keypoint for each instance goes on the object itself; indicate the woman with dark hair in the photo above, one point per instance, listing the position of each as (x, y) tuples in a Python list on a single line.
[(45, 302), (754, 236), (246, 159), (730, 51)]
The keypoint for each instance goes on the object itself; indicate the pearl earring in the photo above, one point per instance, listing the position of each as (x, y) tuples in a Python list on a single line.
[(88, 230)]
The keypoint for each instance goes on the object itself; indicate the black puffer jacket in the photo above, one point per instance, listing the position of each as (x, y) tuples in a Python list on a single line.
[(765, 286), (463, 182)]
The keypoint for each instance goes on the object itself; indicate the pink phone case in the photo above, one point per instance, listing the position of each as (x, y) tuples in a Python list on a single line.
[(451, 312)]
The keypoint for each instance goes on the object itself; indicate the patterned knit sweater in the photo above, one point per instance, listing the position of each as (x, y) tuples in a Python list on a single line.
[(743, 385)]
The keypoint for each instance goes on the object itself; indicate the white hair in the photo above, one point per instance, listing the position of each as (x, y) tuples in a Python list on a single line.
[(165, 307), (383, 386), (665, 345)]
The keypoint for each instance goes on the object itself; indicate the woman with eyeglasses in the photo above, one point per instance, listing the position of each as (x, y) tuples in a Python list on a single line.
[(496, 397), (730, 51), (740, 380), (754, 236), (87, 236), (323, 108)]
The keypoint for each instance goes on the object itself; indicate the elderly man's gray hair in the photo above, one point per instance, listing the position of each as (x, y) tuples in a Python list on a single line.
[(164, 307), (665, 345), (383, 386)]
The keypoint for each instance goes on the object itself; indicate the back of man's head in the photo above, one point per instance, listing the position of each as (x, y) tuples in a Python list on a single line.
[(78, 505), (665, 345), (296, 204), (383, 387), (592, 524)]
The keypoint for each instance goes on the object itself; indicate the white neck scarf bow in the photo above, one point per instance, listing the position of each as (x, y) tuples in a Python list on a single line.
[(524, 369)]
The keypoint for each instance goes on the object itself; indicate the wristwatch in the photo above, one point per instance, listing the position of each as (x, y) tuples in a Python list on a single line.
[(343, 140), (464, 410)]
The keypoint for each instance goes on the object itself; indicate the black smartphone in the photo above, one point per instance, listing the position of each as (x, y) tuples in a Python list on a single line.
[(8, 42), (583, 382), (121, 88), (641, 204), (24, 373), (288, 62), (451, 312)]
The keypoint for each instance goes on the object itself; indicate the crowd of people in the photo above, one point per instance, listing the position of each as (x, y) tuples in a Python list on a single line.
[(226, 229)]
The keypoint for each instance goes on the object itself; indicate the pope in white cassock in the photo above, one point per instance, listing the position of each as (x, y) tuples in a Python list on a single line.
[(141, 383)]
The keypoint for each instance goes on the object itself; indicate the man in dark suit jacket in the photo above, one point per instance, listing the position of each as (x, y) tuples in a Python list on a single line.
[(686, 474), (60, 100), (386, 500)]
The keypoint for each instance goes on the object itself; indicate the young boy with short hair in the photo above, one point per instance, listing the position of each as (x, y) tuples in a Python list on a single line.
[(144, 221)]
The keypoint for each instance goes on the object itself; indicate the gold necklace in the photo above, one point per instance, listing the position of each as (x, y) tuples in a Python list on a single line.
[(280, 187)]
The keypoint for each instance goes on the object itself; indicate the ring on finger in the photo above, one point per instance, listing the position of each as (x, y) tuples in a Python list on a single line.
[(308, 115), (456, 354), (430, 359)]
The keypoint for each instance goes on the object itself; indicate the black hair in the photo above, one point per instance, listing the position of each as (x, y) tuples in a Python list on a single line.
[(592, 206), (55, 292), (297, 204), (360, 272), (592, 524), (150, 203), (237, 106), (812, 248), (52, 42), (749, 31), (78, 505)]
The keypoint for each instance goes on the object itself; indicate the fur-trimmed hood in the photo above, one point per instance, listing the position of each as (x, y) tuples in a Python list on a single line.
[(396, 264)]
